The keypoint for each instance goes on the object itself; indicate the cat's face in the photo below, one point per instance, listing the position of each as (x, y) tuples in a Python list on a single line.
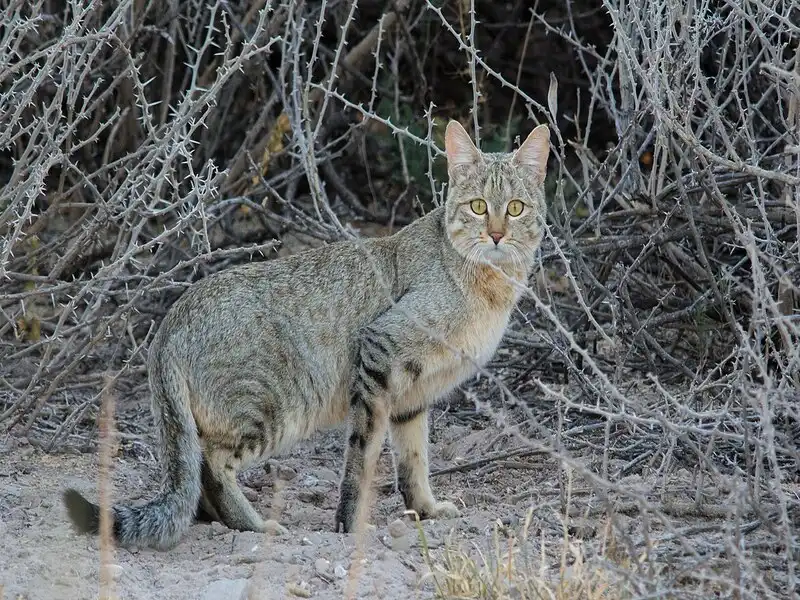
[(495, 205)]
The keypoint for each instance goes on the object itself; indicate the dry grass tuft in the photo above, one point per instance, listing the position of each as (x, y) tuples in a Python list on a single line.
[(526, 566)]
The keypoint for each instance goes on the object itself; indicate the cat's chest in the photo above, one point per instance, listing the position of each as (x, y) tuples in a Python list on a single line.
[(492, 297), (476, 340)]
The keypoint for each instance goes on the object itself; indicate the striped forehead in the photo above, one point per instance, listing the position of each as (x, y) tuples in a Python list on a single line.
[(496, 181)]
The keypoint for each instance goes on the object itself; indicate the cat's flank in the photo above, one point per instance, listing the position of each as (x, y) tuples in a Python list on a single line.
[(252, 359)]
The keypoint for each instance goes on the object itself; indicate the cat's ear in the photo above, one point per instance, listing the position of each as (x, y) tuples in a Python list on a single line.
[(533, 153), (459, 147)]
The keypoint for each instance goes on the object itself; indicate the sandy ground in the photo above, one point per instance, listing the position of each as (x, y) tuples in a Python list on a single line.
[(42, 558)]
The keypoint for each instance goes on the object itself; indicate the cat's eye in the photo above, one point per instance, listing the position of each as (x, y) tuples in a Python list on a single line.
[(515, 208), (478, 206)]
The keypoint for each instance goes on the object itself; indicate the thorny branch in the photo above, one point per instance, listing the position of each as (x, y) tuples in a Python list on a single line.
[(145, 146)]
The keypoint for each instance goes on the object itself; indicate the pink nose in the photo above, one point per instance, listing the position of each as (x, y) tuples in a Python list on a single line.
[(496, 236)]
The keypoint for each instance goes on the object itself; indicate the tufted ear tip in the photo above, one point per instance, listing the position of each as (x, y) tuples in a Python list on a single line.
[(459, 147), (534, 151)]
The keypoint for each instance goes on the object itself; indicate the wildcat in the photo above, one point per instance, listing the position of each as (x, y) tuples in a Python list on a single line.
[(252, 359)]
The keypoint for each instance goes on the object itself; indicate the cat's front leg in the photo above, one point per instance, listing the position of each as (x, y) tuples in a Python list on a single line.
[(384, 370), (410, 438), (366, 432), (368, 421)]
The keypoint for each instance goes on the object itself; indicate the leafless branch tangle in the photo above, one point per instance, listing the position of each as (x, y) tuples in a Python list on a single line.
[(143, 148)]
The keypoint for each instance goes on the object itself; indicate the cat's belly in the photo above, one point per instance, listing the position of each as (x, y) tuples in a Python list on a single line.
[(312, 415), (458, 360)]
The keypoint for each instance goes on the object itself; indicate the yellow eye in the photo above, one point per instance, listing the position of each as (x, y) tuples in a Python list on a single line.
[(515, 208), (478, 206)]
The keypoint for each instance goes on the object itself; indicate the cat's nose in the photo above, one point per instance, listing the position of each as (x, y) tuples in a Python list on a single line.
[(496, 236)]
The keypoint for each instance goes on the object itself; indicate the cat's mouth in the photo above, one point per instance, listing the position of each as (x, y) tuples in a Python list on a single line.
[(497, 253)]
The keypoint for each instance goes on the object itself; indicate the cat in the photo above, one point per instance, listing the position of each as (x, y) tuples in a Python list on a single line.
[(252, 359)]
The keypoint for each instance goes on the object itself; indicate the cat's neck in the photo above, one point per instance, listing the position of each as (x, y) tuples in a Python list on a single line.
[(494, 287), (498, 285)]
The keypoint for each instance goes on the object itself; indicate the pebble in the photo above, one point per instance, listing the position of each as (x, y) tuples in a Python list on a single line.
[(397, 528), (250, 494), (324, 474), (286, 473), (582, 528), (218, 528), (401, 544), (301, 590), (340, 571), (322, 566), (230, 589), (313, 539), (312, 496)]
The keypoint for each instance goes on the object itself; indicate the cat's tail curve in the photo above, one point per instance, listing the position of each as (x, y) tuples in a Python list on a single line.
[(162, 521)]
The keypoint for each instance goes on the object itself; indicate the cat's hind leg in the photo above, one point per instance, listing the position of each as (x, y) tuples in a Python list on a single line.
[(222, 498), (409, 433), (206, 513)]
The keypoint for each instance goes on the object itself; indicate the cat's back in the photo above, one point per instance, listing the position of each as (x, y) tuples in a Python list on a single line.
[(334, 289)]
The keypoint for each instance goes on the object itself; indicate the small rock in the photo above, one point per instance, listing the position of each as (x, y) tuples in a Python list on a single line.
[(257, 482), (313, 539), (230, 589), (470, 498), (301, 590), (340, 571), (313, 496), (401, 544), (582, 528), (510, 521), (250, 494), (322, 566), (218, 528), (9, 489), (286, 473), (324, 474), (397, 528)]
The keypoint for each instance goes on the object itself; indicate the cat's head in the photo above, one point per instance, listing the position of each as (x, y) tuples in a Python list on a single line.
[(495, 207)]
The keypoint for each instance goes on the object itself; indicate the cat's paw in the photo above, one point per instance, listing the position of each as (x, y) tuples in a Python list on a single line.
[(272, 527), (436, 510), (445, 510)]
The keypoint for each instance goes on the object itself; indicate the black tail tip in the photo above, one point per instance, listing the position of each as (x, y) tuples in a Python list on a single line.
[(83, 514)]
